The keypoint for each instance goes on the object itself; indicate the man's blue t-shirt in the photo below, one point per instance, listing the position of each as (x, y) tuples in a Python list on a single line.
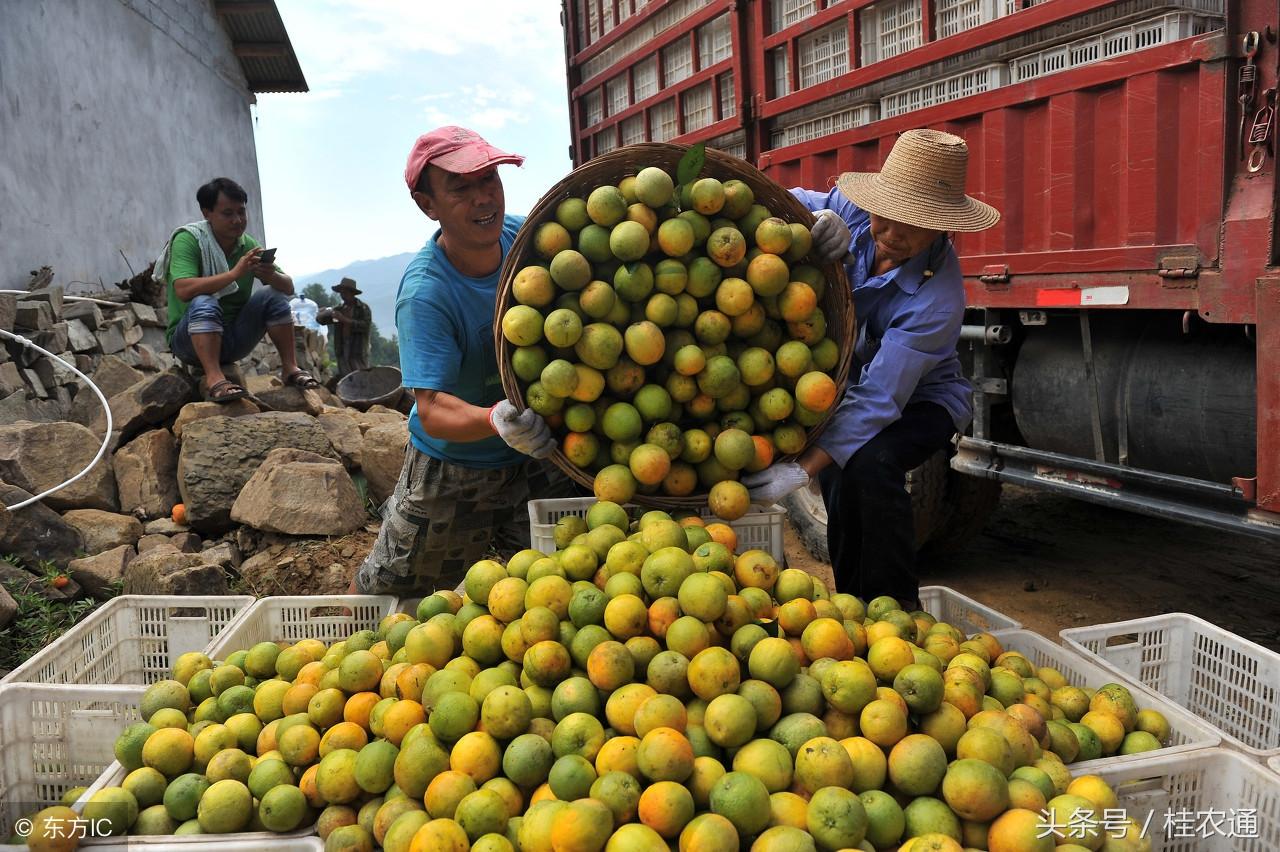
[(444, 320)]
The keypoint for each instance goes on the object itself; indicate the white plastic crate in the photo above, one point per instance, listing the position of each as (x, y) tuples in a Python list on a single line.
[(1114, 42), (1226, 680), (963, 612), (1186, 732), (54, 737), (824, 125), (954, 87), (256, 840), (759, 529), (956, 16), (890, 28), (1180, 795), (329, 618), (131, 639)]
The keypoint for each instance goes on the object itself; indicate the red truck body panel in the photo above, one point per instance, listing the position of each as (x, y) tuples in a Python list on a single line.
[(1104, 173)]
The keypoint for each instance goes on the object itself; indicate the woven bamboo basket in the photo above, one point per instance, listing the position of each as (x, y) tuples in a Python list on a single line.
[(610, 168)]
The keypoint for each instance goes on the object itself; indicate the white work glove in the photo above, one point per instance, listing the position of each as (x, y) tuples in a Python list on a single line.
[(775, 482), (831, 236), (524, 431)]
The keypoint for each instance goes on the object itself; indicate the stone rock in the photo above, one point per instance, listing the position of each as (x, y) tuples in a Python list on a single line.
[(224, 553), (86, 312), (8, 310), (104, 530), (98, 575), (144, 314), (291, 399), (33, 380), (258, 385), (54, 373), (79, 337), (344, 433), (382, 456), (33, 316), (17, 407), (28, 582), (163, 571), (114, 376), (164, 526), (132, 335), (377, 416), (110, 337), (8, 608), (300, 493), (148, 403), (53, 295), (10, 378), (146, 472), (187, 542), (193, 411), (220, 454), (36, 456), (53, 338), (36, 532), (154, 541)]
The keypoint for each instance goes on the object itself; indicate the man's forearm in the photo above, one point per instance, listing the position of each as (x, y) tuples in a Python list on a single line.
[(187, 289), (449, 418)]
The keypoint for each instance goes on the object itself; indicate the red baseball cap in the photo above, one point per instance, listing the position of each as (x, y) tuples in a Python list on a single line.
[(454, 149)]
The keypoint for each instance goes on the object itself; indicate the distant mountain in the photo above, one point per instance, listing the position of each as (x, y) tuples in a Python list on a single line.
[(378, 279)]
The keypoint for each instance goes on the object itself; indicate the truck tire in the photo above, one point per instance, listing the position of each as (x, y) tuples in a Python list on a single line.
[(949, 508)]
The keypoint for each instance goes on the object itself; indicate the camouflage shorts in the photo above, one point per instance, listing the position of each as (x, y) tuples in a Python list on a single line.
[(443, 517)]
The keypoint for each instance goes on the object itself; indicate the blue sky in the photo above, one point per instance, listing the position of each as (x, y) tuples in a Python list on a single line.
[(382, 72)]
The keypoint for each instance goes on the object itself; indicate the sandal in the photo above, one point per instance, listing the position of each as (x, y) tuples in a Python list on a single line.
[(225, 391), (301, 379)]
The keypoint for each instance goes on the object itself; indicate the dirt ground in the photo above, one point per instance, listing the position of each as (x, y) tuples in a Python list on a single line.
[(1048, 561), (1052, 562)]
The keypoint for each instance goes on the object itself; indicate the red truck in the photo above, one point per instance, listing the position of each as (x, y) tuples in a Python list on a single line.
[(1123, 333)]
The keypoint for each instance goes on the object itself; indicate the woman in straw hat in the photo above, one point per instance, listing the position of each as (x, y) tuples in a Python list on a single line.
[(907, 396)]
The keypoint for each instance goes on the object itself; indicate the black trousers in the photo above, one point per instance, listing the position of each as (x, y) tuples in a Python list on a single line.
[(870, 528)]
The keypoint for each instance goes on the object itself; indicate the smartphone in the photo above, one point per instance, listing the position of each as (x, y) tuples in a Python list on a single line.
[(267, 256)]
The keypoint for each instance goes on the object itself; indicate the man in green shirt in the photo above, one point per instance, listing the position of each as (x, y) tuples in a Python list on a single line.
[(215, 317)]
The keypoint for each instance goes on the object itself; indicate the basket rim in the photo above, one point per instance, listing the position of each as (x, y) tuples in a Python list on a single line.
[(611, 167)]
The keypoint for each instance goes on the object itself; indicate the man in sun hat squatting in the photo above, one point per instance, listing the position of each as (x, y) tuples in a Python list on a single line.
[(473, 460), (906, 397)]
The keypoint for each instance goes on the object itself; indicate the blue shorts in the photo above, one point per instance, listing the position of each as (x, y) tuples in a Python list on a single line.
[(267, 307)]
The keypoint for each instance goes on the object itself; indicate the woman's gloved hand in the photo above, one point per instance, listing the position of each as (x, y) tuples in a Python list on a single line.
[(524, 431), (831, 236), (775, 482)]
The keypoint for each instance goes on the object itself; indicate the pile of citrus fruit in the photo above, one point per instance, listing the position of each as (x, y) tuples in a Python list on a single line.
[(642, 688), (672, 336)]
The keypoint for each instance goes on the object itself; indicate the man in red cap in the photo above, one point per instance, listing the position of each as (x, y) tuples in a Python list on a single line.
[(473, 460)]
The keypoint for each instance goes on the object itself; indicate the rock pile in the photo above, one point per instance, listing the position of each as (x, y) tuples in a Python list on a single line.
[(282, 466)]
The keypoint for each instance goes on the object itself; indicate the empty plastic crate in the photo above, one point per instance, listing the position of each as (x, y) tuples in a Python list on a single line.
[(329, 618), (949, 88), (1107, 45), (1226, 680), (759, 529), (1186, 732), (1195, 801), (54, 737), (963, 612), (131, 639)]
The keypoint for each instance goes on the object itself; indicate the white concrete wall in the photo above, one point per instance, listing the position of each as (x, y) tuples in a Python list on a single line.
[(112, 113)]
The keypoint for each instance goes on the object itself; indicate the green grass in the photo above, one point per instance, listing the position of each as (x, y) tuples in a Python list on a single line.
[(39, 621)]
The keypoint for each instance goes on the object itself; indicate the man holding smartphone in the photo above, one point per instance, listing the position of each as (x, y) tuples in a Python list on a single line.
[(215, 317)]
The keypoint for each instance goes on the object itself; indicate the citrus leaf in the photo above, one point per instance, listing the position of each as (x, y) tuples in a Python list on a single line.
[(691, 163)]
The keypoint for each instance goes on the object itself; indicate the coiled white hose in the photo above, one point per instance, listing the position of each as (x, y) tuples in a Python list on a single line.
[(106, 436)]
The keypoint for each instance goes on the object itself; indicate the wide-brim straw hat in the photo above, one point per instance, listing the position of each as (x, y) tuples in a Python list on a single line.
[(921, 183)]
